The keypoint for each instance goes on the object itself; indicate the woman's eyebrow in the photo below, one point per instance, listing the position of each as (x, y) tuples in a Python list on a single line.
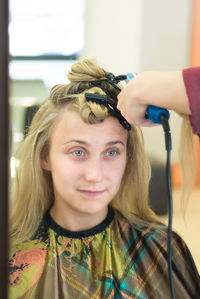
[(110, 143), (115, 142), (77, 141)]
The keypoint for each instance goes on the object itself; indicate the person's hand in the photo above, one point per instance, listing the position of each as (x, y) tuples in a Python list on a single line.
[(161, 89)]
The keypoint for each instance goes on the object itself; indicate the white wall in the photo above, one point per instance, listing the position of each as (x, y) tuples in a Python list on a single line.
[(165, 34), (112, 33), (139, 35)]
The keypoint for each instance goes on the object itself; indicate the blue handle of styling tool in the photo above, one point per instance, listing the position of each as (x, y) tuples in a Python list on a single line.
[(153, 112)]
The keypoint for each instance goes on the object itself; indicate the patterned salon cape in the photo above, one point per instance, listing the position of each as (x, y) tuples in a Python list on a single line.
[(112, 260)]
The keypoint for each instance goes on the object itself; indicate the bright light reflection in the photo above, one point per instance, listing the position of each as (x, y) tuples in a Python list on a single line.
[(13, 164), (46, 27)]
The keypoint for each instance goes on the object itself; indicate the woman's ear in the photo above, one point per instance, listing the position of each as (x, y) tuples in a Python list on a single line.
[(45, 162)]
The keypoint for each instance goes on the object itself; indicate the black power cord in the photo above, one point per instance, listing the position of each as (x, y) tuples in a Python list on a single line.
[(168, 146)]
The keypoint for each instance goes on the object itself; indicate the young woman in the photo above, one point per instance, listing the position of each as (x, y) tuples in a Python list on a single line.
[(80, 224)]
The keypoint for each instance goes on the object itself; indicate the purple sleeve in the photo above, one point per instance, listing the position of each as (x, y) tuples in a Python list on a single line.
[(191, 77)]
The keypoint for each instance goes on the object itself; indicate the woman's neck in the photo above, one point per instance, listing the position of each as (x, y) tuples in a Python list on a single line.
[(74, 220)]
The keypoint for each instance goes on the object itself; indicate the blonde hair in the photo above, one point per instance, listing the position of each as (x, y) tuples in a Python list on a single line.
[(33, 193), (188, 161)]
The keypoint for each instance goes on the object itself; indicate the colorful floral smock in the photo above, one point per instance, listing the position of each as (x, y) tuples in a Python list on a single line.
[(113, 260)]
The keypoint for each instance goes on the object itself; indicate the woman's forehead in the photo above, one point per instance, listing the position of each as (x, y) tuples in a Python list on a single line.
[(71, 126)]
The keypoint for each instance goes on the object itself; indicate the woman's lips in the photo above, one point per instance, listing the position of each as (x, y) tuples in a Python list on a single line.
[(91, 193)]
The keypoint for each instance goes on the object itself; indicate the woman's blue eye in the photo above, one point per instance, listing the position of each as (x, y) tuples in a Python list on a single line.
[(78, 153), (112, 153)]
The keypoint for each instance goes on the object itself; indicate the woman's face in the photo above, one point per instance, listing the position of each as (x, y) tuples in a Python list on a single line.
[(87, 163)]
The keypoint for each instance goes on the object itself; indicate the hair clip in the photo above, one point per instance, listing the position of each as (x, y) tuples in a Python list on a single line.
[(114, 80), (110, 78), (111, 106)]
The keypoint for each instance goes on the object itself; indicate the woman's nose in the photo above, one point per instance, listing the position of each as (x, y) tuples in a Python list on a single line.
[(94, 170)]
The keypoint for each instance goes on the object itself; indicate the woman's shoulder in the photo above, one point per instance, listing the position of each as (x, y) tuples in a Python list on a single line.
[(37, 243), (134, 224), (22, 255), (149, 233), (153, 238), (23, 258)]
